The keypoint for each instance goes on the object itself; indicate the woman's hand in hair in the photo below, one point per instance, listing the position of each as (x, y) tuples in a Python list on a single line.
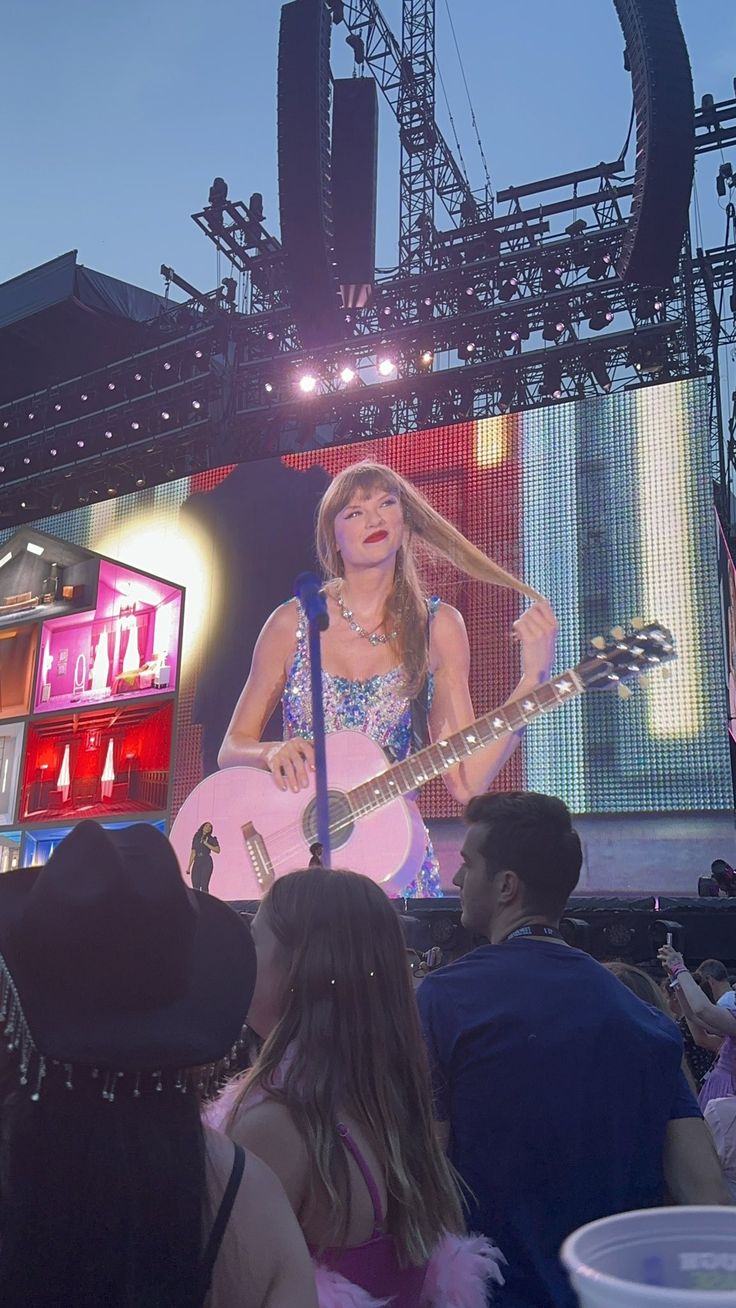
[(536, 630)]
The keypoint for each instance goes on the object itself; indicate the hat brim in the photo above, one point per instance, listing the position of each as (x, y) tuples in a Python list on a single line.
[(200, 1026)]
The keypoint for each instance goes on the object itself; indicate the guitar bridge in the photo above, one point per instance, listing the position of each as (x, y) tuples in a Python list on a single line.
[(258, 855)]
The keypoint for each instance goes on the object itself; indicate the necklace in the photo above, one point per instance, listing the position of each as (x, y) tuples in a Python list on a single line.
[(372, 636)]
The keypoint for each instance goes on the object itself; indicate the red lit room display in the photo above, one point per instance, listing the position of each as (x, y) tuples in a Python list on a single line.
[(96, 763), (11, 748), (127, 647)]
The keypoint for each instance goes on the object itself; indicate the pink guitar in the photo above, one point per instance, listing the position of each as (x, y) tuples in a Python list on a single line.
[(375, 829)]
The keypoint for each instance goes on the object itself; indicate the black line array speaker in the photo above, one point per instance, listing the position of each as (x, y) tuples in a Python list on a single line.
[(665, 140), (354, 185), (305, 182)]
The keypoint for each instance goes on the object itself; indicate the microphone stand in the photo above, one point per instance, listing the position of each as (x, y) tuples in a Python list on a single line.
[(312, 599)]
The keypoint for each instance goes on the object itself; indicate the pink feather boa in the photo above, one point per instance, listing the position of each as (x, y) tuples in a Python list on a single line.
[(459, 1275)]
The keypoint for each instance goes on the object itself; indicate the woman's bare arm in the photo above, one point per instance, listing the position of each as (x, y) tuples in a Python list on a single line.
[(452, 708), (261, 692)]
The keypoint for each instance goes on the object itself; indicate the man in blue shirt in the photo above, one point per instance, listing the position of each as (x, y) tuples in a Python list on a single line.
[(559, 1093)]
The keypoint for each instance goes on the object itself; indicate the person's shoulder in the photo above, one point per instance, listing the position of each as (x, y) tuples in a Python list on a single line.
[(281, 625), (459, 975)]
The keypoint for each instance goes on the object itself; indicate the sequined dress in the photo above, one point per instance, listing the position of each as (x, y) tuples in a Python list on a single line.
[(376, 706)]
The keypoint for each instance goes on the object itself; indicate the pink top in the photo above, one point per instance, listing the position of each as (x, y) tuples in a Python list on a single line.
[(374, 1265)]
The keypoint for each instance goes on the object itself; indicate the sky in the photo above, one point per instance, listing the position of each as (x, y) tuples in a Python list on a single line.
[(117, 116)]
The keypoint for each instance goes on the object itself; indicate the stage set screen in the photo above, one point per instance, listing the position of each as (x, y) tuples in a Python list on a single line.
[(603, 505)]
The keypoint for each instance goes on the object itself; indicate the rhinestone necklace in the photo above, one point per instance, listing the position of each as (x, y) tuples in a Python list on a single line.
[(373, 636)]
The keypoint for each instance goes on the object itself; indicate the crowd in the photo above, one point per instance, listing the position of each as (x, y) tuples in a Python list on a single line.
[(420, 1145)]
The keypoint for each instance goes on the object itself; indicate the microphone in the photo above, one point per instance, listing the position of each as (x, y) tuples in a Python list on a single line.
[(312, 599)]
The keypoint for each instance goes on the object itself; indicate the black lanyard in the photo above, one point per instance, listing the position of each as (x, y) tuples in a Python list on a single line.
[(534, 929)]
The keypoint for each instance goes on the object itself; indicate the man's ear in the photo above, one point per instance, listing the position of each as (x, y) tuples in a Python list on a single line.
[(510, 887)]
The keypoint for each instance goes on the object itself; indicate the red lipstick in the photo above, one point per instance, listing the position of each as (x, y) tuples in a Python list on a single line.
[(376, 536)]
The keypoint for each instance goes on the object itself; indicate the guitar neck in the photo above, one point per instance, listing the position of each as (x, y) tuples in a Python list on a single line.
[(416, 770)]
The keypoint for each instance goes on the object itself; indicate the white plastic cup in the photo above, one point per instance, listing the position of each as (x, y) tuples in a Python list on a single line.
[(679, 1257)]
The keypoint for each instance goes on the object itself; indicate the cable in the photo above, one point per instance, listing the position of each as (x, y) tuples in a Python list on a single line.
[(627, 142), (470, 102), (458, 147)]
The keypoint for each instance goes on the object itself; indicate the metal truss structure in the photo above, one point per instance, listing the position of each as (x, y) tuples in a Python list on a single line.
[(500, 311)]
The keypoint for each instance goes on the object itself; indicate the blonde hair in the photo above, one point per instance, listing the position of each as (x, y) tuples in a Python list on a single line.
[(349, 1042), (406, 610)]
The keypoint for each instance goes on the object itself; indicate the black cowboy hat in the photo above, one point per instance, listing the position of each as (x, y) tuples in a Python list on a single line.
[(107, 960)]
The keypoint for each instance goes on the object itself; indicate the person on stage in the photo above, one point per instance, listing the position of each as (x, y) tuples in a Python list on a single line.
[(396, 661), (204, 845)]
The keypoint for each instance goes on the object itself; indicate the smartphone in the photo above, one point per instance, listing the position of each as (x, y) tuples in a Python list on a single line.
[(669, 937)]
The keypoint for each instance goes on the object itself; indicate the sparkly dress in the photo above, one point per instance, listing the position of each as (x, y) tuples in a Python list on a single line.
[(376, 706)]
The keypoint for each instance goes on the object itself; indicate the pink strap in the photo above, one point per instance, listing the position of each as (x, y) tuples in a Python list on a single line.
[(366, 1174)]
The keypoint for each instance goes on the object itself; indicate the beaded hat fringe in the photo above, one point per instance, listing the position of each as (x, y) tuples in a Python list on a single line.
[(33, 1066)]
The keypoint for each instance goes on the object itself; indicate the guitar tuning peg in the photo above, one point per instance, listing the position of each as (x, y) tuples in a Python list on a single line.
[(637, 624), (624, 692), (618, 633), (598, 642)]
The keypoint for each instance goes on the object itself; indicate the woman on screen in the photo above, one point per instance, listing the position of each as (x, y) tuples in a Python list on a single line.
[(396, 661)]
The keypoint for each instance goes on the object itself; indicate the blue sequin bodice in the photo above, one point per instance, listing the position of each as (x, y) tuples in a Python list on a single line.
[(377, 706)]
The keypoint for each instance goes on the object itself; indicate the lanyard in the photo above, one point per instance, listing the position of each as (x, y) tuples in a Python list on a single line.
[(534, 929)]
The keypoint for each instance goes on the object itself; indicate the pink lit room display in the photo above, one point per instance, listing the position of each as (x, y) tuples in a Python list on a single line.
[(127, 647)]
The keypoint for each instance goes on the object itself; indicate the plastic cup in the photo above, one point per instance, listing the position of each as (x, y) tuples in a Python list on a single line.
[(656, 1256)]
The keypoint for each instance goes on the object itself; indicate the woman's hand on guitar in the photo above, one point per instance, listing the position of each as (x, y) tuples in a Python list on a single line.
[(290, 764), (536, 630)]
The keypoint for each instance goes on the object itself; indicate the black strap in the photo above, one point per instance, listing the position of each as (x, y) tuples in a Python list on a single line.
[(534, 929), (220, 1223)]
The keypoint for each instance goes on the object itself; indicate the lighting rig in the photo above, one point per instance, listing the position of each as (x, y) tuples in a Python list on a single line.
[(500, 311)]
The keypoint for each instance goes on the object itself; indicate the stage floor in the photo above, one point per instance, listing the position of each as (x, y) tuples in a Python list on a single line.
[(627, 853)]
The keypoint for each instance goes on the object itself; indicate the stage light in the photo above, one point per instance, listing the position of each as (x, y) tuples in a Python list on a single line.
[(137, 377), (357, 45), (426, 358), (308, 383), (649, 359), (108, 435), (551, 381), (230, 290), (268, 388), (167, 367), (165, 415), (26, 460), (5, 426), (601, 374), (31, 416), (57, 407), (554, 325), (470, 290), (386, 367), (140, 482), (84, 397), (112, 490), (196, 404), (135, 426), (33, 548), (508, 288), (347, 374), (577, 227), (111, 386), (552, 276), (648, 304), (23, 504), (53, 452), (466, 351), (198, 354), (600, 314), (80, 444), (599, 266)]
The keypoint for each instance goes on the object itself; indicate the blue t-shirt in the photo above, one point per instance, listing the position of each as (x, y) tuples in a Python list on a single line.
[(558, 1084)]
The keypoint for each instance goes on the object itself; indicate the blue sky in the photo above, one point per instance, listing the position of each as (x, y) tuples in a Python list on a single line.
[(118, 115)]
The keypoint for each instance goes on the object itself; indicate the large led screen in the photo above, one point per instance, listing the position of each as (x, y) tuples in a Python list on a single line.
[(604, 505)]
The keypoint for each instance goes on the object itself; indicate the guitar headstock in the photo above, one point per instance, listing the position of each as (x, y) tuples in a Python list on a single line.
[(625, 658)]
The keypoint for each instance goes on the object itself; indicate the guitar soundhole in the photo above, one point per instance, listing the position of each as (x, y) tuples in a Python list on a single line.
[(341, 820)]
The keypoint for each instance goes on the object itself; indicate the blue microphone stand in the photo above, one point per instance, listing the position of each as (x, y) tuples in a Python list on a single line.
[(312, 599)]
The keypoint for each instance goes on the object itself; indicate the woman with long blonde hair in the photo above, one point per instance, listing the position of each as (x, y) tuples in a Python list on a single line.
[(388, 646), (339, 1102)]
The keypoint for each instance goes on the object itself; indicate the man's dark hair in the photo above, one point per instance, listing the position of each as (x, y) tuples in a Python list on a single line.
[(533, 836), (713, 969)]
